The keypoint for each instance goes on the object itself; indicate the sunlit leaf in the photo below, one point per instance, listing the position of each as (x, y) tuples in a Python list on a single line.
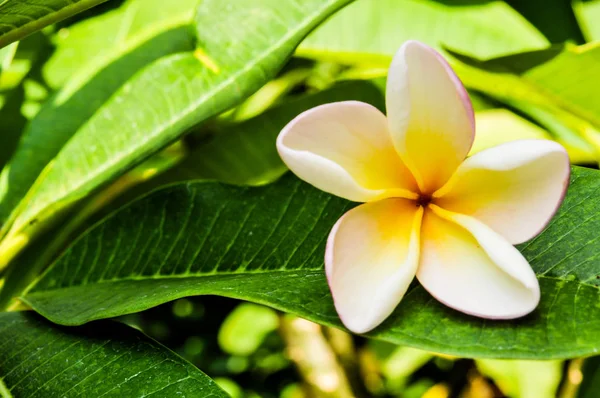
[(85, 48), (266, 245), (497, 126), (20, 18), (246, 327), (6, 56), (523, 379), (135, 39), (245, 153), (369, 31), (168, 97), (556, 87), (588, 13)]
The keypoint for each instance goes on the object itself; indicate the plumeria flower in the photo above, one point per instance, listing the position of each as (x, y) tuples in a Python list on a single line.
[(428, 210)]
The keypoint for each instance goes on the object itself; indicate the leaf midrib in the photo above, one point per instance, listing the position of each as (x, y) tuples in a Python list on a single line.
[(242, 274), (182, 276)]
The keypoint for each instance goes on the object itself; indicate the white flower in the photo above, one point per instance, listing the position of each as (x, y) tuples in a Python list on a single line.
[(428, 211)]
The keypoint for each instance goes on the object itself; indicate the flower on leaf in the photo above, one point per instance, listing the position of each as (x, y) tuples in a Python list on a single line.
[(428, 210)]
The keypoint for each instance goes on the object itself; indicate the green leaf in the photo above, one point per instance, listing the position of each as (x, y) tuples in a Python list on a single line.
[(169, 96), (523, 379), (590, 385), (372, 31), (85, 48), (561, 77), (138, 40), (108, 359), (554, 18), (245, 153), (557, 83), (19, 18), (6, 56), (246, 327), (266, 245), (588, 13)]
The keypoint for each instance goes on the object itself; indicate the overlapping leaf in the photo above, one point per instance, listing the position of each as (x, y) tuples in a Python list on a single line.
[(245, 153), (554, 18), (587, 13), (266, 245), (108, 359), (557, 87), (98, 56), (369, 31), (174, 93)]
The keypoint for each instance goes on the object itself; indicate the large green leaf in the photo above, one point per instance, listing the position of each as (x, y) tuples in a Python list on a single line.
[(171, 95), (19, 18), (108, 359), (138, 38), (368, 30), (266, 245)]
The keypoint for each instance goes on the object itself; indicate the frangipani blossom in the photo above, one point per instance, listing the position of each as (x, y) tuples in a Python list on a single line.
[(428, 210)]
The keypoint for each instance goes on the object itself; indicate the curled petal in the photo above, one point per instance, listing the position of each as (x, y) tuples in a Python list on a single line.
[(469, 267), (371, 258), (514, 188), (430, 115), (344, 148)]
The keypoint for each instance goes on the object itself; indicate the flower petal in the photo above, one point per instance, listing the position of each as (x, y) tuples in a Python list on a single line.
[(515, 188), (344, 148), (430, 114), (469, 267), (371, 258)]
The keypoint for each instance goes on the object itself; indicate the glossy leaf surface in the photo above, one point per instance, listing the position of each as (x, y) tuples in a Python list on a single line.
[(173, 94), (108, 359), (266, 245)]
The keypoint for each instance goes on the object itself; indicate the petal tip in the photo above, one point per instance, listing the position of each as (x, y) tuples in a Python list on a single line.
[(417, 48), (566, 179)]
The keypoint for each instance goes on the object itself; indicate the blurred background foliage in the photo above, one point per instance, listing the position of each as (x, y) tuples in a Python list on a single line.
[(531, 67)]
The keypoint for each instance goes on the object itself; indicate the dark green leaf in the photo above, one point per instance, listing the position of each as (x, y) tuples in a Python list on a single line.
[(19, 18), (554, 18), (108, 359), (266, 245), (591, 378)]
